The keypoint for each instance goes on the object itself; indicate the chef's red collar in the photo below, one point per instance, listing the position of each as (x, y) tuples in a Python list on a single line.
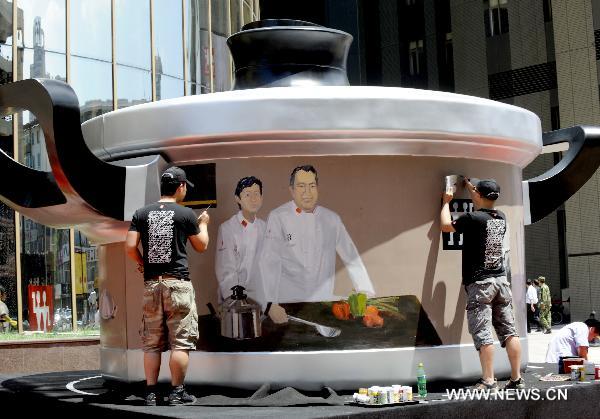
[(242, 220), (299, 210)]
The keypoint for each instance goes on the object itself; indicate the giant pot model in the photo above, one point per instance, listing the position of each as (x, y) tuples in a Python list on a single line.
[(381, 154)]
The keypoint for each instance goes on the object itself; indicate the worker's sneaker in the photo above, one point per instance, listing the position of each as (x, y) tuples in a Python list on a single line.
[(548, 331), (179, 396), (150, 397), (482, 385), (517, 384)]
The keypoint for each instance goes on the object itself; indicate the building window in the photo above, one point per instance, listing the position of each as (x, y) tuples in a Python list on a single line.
[(415, 56), (495, 16)]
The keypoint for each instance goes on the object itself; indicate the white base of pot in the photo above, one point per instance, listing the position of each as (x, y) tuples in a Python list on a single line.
[(313, 370)]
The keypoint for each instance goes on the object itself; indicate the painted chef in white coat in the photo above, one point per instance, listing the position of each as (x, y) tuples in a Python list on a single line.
[(297, 263), (239, 241)]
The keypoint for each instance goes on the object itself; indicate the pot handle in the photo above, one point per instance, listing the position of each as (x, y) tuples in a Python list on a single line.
[(87, 185), (545, 193)]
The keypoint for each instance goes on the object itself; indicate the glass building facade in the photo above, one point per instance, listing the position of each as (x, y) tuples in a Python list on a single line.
[(541, 55), (114, 53)]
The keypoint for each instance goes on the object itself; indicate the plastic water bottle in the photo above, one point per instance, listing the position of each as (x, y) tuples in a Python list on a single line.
[(421, 381)]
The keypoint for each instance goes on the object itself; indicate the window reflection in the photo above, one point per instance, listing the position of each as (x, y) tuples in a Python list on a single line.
[(45, 252), (8, 275), (134, 86), (91, 29), (45, 277), (43, 25), (86, 282), (234, 12), (32, 146), (220, 51), (168, 87), (36, 63), (198, 70), (6, 72), (197, 89), (247, 11), (133, 55), (168, 48), (92, 82), (132, 33), (91, 56), (41, 47)]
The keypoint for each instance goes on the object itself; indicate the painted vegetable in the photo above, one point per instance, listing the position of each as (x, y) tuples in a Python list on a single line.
[(373, 320), (371, 310), (358, 304), (341, 310)]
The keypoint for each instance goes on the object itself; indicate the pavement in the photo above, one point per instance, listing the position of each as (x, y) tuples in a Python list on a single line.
[(87, 394)]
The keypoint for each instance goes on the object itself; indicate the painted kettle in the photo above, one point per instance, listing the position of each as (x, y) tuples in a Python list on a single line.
[(239, 315)]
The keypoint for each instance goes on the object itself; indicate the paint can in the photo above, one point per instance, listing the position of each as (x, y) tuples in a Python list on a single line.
[(581, 372), (574, 372), (450, 183)]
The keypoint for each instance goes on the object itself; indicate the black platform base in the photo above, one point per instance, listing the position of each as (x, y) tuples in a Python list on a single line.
[(87, 393)]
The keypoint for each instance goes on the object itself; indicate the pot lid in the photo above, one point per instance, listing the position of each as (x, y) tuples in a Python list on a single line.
[(318, 121)]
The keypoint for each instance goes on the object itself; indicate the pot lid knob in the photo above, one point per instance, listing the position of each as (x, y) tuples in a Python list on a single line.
[(289, 53), (238, 293)]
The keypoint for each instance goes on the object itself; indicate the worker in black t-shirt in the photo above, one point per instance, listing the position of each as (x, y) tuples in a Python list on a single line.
[(484, 276), (170, 319)]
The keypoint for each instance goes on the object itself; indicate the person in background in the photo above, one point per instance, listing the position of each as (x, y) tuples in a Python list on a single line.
[(536, 316), (5, 321), (239, 242), (573, 340), (170, 319), (531, 300), (545, 304), (489, 296)]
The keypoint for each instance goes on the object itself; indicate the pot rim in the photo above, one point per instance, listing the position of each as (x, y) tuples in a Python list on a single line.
[(318, 121)]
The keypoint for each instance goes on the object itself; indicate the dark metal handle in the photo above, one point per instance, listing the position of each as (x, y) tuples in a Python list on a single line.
[(23, 186), (545, 193), (81, 188), (76, 171)]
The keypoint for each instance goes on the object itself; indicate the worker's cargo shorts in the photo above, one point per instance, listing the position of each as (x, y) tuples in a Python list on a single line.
[(170, 319), (489, 304)]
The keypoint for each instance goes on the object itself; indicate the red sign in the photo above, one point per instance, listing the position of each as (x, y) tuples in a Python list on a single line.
[(41, 307)]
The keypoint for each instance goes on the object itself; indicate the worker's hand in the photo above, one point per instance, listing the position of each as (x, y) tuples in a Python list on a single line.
[(204, 218), (140, 268), (447, 197), (278, 314), (470, 187), (468, 184), (532, 308)]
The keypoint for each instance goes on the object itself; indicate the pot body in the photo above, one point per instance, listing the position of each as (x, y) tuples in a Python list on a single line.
[(390, 207), (381, 156)]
